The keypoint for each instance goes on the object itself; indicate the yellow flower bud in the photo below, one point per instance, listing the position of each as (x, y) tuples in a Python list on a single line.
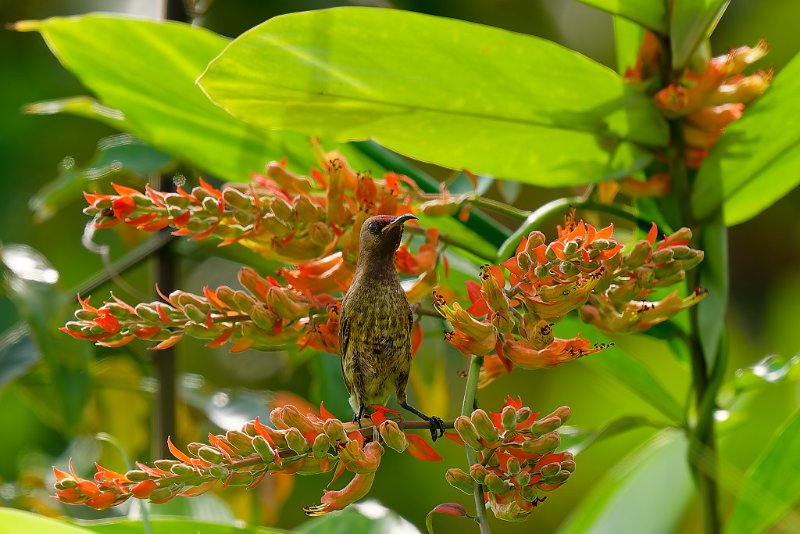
[(484, 425), (393, 436), (467, 431), (264, 449), (296, 441), (459, 480), (542, 445)]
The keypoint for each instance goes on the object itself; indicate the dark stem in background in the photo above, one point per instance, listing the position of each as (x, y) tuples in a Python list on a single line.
[(702, 439), (164, 362)]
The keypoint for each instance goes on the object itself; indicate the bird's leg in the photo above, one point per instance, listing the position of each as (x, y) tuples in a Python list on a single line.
[(437, 425), (358, 415)]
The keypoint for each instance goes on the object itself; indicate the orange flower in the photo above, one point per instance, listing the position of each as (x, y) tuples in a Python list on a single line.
[(356, 489), (559, 351)]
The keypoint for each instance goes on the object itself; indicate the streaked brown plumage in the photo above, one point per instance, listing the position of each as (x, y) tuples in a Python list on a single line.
[(375, 323)]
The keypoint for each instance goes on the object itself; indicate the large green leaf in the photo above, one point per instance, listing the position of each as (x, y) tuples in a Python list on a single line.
[(649, 13), (16, 521), (691, 22), (713, 277), (151, 81), (173, 526), (647, 491), (368, 517), (440, 90), (757, 160), (625, 368), (772, 484), (627, 38)]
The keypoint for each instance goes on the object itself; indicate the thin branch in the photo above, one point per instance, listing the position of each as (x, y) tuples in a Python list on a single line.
[(466, 409)]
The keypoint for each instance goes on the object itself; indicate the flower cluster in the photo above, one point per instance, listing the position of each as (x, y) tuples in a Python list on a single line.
[(708, 97), (305, 444), (264, 315), (517, 461), (619, 305), (287, 216), (583, 269), (711, 99), (295, 218)]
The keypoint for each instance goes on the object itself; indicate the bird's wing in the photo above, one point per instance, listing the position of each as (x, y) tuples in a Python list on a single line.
[(344, 338), (409, 344), (344, 331)]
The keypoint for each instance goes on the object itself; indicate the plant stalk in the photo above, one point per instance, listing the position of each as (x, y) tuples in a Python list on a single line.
[(466, 409), (702, 448)]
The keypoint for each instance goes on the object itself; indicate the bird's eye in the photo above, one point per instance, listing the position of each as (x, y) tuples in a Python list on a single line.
[(373, 228)]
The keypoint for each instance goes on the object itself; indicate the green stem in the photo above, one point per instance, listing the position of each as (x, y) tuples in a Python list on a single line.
[(472, 458), (499, 207), (536, 219), (702, 449)]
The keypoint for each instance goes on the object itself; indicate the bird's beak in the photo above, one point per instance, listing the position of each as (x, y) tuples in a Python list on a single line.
[(398, 221)]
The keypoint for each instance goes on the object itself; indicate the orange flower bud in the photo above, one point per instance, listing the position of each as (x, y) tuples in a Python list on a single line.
[(743, 89), (715, 117)]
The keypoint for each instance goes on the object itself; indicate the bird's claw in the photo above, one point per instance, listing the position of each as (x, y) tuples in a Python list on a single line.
[(437, 427)]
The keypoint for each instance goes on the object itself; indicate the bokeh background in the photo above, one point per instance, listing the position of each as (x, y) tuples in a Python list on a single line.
[(217, 389)]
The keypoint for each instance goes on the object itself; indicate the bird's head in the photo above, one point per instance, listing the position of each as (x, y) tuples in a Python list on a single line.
[(381, 234)]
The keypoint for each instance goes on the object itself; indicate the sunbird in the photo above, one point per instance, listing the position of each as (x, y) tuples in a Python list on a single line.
[(375, 324)]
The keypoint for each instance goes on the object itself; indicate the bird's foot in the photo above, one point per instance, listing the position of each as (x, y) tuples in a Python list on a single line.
[(437, 427), (358, 415)]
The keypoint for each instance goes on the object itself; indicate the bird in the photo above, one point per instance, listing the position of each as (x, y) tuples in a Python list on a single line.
[(375, 323)]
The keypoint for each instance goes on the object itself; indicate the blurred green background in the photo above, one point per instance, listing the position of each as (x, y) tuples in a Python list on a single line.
[(218, 389)]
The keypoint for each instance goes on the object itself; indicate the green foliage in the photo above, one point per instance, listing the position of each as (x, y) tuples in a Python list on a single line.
[(29, 281), (156, 93), (772, 484), (118, 158), (506, 108), (15, 521), (651, 486), (652, 15), (691, 22), (459, 95), (754, 164)]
